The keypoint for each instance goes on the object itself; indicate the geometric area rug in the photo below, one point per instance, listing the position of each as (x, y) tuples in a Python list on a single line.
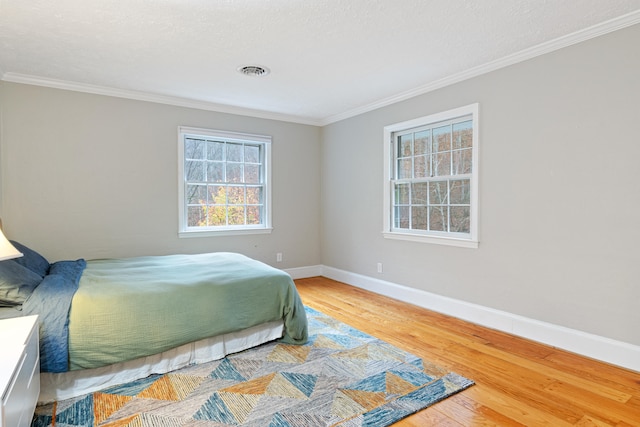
[(340, 377)]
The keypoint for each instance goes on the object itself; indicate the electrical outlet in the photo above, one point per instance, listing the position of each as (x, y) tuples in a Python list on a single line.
[(379, 267), (279, 257)]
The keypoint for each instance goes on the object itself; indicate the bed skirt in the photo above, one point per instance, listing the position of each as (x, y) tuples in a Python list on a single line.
[(71, 384)]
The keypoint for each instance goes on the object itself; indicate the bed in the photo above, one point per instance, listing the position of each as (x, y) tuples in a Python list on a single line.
[(105, 322)]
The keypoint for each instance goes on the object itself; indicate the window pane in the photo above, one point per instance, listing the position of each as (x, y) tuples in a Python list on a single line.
[(421, 167), (215, 150), (196, 216), (254, 195), (438, 193), (438, 218), (196, 194), (442, 138), (215, 172), (194, 149), (402, 194), (404, 146), (419, 193), (251, 154), (251, 174), (460, 219), (419, 217), (235, 195), (236, 215), (234, 172), (194, 170), (422, 143), (254, 215), (460, 192), (462, 161), (217, 195), (217, 216), (234, 152), (442, 164), (402, 217), (463, 134), (404, 168)]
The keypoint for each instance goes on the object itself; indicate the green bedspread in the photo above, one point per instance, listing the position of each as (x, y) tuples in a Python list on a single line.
[(129, 308)]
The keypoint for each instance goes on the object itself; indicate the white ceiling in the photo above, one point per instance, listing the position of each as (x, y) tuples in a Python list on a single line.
[(329, 59)]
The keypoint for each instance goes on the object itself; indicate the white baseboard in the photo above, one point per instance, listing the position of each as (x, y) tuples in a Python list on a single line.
[(594, 346), (304, 272)]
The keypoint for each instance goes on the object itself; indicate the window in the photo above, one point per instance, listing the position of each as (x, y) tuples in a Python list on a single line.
[(224, 182), (431, 178)]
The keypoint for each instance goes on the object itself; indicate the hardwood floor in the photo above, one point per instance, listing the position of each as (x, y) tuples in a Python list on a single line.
[(518, 382)]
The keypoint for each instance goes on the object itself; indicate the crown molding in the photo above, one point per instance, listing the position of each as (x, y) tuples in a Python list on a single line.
[(603, 28), (156, 98)]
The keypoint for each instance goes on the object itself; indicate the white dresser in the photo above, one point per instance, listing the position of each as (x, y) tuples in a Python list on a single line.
[(19, 370)]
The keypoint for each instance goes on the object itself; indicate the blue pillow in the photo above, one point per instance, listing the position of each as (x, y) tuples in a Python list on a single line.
[(16, 283), (31, 259)]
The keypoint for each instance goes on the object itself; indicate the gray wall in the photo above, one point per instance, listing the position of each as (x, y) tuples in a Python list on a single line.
[(559, 191), (94, 176)]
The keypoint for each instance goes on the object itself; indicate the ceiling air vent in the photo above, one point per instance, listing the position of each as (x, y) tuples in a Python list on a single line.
[(253, 70)]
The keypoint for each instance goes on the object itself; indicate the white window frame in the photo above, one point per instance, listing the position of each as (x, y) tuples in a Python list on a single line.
[(469, 240), (185, 231)]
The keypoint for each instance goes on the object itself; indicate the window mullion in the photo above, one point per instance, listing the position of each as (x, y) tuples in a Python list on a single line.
[(431, 164), (428, 227), (449, 197), (451, 149)]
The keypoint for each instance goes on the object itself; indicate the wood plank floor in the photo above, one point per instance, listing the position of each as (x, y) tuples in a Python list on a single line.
[(518, 382)]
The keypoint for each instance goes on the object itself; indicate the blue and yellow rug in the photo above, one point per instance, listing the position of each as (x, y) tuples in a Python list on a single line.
[(341, 377)]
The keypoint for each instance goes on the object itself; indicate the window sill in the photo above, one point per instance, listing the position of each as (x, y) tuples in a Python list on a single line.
[(226, 232), (447, 241)]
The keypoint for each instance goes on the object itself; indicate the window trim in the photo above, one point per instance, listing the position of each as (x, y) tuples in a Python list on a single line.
[(183, 230), (432, 237)]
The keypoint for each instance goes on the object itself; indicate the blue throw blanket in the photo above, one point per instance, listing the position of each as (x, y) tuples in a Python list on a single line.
[(51, 300)]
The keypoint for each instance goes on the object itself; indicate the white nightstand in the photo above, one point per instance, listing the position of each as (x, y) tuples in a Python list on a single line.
[(19, 370)]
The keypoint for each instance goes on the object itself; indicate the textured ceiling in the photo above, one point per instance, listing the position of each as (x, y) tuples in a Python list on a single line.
[(328, 58)]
